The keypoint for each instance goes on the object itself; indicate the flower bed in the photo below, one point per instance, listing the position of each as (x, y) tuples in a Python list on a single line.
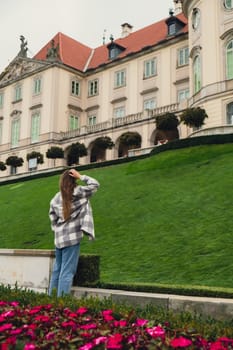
[(50, 327)]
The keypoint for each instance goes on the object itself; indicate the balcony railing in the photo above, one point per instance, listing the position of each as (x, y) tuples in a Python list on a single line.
[(117, 122)]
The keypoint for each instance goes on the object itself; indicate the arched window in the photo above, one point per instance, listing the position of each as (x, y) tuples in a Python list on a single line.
[(230, 113), (229, 59), (228, 4), (197, 73)]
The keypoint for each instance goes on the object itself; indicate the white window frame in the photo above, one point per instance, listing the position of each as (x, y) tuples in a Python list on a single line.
[(73, 122), (229, 113), (92, 119), (120, 78), (35, 127), (93, 87), (228, 4), (17, 93), (119, 112), (229, 59), (149, 103), (183, 56), (37, 86), (197, 73), (150, 68), (183, 95), (75, 87), (15, 132)]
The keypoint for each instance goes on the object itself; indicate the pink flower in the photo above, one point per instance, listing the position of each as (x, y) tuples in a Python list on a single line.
[(156, 332), (114, 341), (180, 342), (121, 323), (88, 326), (81, 310), (99, 340), (29, 347), (87, 346), (107, 314), (218, 346), (141, 322), (6, 326)]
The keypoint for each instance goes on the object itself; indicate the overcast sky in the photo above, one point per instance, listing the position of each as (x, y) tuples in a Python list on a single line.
[(84, 20)]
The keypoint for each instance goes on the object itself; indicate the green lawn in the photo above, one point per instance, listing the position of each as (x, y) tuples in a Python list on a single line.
[(164, 219)]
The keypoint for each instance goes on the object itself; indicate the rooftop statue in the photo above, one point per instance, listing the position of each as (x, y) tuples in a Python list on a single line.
[(23, 47)]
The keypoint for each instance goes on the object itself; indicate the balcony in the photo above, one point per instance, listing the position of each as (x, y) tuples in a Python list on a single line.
[(118, 122)]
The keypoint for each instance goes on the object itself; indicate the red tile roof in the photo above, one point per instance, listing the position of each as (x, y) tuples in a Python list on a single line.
[(82, 57)]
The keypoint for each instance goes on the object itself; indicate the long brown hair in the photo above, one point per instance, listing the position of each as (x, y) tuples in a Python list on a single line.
[(67, 185)]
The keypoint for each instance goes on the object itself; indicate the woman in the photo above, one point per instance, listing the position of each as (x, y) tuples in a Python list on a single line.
[(71, 216)]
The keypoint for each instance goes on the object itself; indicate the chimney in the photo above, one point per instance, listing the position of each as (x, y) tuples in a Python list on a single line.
[(126, 29), (178, 6)]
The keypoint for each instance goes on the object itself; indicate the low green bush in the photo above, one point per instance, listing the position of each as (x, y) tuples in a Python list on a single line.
[(88, 272)]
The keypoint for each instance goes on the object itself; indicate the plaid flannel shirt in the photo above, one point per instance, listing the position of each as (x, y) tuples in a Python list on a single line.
[(70, 232)]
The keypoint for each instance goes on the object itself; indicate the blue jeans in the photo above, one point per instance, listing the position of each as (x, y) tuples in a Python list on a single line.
[(64, 269)]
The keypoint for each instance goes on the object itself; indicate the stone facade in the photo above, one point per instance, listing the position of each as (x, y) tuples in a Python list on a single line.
[(47, 101)]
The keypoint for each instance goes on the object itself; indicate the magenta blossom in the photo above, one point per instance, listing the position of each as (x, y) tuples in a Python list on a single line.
[(141, 322), (156, 332), (180, 342)]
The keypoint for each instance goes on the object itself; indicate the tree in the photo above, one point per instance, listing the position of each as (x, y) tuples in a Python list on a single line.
[(37, 155), (104, 142), (194, 117), (166, 127), (55, 152), (76, 151), (14, 162), (2, 166)]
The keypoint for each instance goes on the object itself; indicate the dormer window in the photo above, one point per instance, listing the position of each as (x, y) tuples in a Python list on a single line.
[(114, 50), (174, 25)]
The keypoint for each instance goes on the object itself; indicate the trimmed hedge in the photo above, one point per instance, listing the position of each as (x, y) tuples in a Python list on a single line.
[(171, 289), (88, 271), (193, 141)]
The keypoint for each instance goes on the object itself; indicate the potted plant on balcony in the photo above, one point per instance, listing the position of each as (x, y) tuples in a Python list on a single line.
[(104, 142), (194, 117), (166, 127)]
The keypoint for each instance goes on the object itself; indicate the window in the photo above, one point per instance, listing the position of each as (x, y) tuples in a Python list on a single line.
[(35, 127), (73, 122), (119, 112), (230, 113), (15, 128), (228, 4), (183, 95), (183, 57), (91, 119), (75, 87), (150, 68), (172, 29), (197, 73), (229, 58), (149, 104), (93, 87), (37, 86), (1, 99), (18, 93), (196, 18), (120, 79)]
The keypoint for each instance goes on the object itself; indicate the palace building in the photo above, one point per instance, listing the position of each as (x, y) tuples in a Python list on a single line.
[(70, 93)]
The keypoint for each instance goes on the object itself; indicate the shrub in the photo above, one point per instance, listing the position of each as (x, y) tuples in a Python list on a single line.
[(194, 117), (2, 166), (37, 155), (167, 121)]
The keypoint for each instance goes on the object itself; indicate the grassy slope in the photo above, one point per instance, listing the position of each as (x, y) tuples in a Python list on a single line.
[(164, 219)]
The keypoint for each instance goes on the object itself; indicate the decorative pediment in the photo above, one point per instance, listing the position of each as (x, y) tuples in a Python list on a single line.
[(19, 68)]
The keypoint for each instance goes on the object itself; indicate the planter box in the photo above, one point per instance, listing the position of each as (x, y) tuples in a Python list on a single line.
[(32, 268), (29, 268)]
